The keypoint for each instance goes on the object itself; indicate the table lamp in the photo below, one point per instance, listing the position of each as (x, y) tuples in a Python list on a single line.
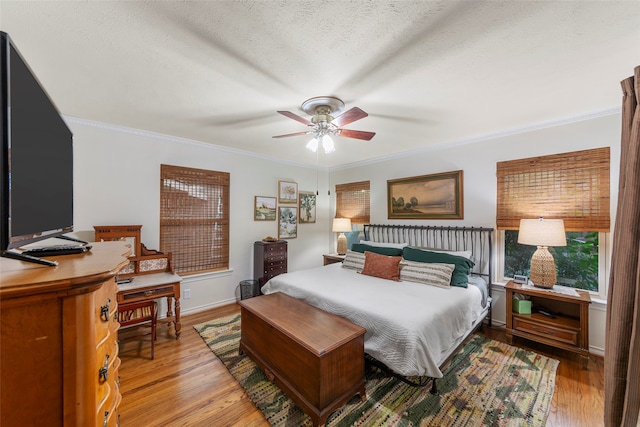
[(542, 233), (341, 225)]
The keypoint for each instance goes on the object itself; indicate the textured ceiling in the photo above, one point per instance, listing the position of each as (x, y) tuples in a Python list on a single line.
[(429, 73)]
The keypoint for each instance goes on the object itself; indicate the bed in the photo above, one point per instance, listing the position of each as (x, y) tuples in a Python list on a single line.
[(412, 327)]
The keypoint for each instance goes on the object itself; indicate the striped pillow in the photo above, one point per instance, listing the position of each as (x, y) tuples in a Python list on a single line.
[(353, 261), (435, 274)]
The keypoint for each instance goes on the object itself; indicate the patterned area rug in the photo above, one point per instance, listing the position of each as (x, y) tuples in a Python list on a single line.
[(488, 383)]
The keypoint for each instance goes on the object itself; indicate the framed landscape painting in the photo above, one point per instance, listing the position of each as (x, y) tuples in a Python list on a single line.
[(264, 208), (287, 192), (287, 222), (307, 207), (436, 196)]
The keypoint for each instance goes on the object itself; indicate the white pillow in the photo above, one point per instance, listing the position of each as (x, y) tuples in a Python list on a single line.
[(464, 254), (429, 273), (353, 261), (384, 245)]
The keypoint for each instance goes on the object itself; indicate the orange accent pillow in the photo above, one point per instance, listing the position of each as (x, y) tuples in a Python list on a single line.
[(382, 266)]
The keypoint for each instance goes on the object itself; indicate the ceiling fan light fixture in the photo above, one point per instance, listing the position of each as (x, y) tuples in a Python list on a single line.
[(327, 144), (312, 145), (325, 122)]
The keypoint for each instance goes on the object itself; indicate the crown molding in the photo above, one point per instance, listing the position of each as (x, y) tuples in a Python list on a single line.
[(495, 135), (410, 153), (178, 140)]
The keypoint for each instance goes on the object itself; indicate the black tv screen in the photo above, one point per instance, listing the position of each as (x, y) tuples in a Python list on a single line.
[(37, 157)]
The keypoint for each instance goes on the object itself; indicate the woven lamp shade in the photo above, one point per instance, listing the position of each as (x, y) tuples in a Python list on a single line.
[(542, 233)]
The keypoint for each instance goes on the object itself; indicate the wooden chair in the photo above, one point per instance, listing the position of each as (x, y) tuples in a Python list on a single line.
[(138, 314)]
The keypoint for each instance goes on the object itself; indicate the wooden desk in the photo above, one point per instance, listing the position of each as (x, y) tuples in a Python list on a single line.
[(152, 286)]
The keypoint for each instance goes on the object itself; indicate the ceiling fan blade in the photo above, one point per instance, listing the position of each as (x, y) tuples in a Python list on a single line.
[(357, 134), (296, 117), (291, 134), (349, 116)]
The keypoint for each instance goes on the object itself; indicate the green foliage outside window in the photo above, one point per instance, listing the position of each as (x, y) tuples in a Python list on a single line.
[(576, 263)]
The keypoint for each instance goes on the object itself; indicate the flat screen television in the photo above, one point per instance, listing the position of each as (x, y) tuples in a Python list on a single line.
[(37, 157)]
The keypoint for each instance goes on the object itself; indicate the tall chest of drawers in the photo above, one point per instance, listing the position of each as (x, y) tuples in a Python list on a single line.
[(269, 260), (59, 353)]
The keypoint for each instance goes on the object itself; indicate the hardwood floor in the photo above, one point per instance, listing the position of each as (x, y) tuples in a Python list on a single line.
[(187, 385)]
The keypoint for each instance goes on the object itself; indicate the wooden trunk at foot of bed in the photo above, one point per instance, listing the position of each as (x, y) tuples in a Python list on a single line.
[(315, 357)]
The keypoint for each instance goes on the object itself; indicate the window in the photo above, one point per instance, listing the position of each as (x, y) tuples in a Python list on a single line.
[(570, 186), (577, 264), (352, 201), (194, 218)]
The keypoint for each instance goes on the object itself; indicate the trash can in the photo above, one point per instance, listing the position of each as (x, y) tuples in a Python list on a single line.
[(249, 289)]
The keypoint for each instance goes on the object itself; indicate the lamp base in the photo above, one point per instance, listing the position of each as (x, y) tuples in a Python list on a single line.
[(543, 268), (342, 244)]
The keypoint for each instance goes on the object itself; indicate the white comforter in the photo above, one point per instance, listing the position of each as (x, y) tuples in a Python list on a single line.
[(411, 327)]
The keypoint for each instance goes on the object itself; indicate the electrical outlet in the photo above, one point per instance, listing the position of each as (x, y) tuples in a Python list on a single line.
[(186, 294)]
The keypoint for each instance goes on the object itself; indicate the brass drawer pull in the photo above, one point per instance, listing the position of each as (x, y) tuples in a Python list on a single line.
[(148, 293), (104, 311), (103, 373)]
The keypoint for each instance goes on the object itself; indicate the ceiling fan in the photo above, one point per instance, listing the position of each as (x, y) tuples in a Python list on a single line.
[(323, 124)]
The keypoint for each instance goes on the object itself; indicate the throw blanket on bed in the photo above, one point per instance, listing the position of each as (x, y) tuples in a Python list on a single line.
[(411, 327)]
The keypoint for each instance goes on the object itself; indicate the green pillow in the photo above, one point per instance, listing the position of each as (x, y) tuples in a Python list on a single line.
[(460, 273), (382, 250)]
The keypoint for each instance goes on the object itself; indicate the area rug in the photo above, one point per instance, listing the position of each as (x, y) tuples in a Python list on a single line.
[(488, 383)]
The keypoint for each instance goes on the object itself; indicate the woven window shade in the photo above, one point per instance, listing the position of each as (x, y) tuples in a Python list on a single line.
[(572, 186), (194, 218), (352, 201)]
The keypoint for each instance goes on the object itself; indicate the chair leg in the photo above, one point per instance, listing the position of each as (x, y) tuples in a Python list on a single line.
[(154, 319)]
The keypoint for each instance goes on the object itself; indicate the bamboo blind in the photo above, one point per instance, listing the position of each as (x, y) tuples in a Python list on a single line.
[(572, 186), (352, 201), (194, 218)]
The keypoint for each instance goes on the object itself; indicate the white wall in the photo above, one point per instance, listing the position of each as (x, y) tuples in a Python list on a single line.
[(478, 162), (117, 182)]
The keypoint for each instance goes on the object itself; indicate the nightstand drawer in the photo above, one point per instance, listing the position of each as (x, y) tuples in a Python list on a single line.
[(568, 336)]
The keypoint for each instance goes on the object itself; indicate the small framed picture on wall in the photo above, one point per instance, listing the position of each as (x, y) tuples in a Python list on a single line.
[(264, 208), (287, 222), (287, 192), (307, 207)]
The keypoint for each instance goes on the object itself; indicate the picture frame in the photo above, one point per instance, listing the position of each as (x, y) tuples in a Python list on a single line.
[(287, 222), (307, 207), (287, 192), (264, 208), (435, 196)]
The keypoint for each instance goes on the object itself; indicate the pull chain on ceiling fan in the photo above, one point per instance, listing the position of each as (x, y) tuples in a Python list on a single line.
[(324, 125)]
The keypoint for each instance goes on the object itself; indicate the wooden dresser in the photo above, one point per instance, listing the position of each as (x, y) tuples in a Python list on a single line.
[(269, 260), (59, 351)]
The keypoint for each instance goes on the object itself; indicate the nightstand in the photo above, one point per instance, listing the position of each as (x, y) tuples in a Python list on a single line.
[(568, 328), (332, 258)]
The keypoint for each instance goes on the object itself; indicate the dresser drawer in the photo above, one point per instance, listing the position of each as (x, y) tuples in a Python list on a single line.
[(145, 294), (276, 250), (275, 270), (568, 336), (106, 370)]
